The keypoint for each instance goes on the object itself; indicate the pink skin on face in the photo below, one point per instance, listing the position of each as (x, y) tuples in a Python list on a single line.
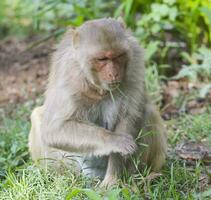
[(107, 54), (108, 66)]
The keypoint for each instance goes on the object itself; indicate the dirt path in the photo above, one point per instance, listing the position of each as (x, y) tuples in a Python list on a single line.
[(23, 74)]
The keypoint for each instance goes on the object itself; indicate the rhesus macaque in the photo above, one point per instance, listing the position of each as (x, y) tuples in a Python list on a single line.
[(96, 105)]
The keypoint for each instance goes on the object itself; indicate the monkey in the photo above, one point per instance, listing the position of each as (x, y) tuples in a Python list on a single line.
[(96, 105)]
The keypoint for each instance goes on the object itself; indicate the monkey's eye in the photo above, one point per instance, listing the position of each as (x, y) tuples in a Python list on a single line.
[(102, 59), (121, 55)]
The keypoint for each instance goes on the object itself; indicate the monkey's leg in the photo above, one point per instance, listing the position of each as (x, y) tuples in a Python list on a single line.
[(44, 155), (116, 161), (154, 154), (35, 142), (114, 170)]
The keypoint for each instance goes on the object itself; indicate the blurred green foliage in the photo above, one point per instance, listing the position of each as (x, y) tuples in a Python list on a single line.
[(165, 28), (199, 67)]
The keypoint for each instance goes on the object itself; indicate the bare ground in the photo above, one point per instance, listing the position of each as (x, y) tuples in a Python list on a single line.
[(23, 70)]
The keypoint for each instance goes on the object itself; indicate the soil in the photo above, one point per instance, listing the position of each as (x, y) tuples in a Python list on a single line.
[(23, 70)]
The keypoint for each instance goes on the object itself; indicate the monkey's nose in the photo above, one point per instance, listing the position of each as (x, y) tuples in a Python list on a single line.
[(113, 76)]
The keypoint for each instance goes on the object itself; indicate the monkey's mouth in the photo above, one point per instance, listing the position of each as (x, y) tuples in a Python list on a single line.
[(114, 85)]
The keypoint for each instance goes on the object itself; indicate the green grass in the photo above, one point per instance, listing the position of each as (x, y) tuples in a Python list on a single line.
[(21, 179), (189, 127)]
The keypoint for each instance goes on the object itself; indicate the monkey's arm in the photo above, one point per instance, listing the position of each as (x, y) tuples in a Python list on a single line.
[(80, 137)]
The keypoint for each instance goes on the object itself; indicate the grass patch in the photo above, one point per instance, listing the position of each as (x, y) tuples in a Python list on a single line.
[(13, 138), (21, 179), (189, 127)]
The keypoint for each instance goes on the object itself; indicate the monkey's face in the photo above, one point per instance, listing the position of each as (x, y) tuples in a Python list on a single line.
[(108, 69)]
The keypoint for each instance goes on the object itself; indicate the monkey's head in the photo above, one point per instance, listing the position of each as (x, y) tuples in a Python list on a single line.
[(101, 47)]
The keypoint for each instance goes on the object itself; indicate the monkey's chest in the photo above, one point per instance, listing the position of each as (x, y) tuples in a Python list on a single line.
[(104, 115)]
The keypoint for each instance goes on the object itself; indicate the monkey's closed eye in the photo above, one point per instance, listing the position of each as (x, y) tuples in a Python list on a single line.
[(121, 55), (102, 59)]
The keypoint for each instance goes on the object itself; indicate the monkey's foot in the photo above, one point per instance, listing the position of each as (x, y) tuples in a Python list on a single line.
[(109, 182)]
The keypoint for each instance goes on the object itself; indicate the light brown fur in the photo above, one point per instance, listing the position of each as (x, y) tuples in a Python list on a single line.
[(81, 117)]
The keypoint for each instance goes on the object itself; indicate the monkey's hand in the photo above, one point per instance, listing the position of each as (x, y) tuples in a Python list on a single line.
[(123, 144)]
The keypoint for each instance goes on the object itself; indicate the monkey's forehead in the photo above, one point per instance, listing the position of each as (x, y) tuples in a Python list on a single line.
[(98, 48), (102, 22), (101, 30)]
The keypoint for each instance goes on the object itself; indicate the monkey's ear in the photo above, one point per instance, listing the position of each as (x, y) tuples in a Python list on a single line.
[(122, 22), (75, 37)]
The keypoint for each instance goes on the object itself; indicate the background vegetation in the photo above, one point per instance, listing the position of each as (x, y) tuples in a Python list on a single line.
[(176, 35)]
